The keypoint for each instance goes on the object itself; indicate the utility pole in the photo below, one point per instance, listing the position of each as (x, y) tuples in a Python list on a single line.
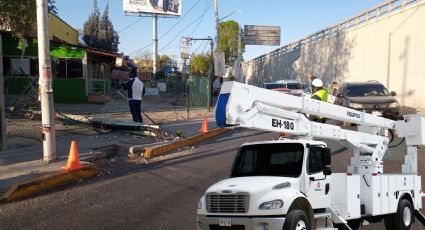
[(238, 59), (210, 78), (45, 84), (217, 23), (2, 106), (184, 53), (154, 43)]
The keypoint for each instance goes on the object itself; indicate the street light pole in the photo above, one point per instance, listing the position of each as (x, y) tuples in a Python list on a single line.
[(45, 84)]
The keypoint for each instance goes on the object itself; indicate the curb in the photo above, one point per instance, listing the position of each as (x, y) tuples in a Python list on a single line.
[(160, 150), (30, 187)]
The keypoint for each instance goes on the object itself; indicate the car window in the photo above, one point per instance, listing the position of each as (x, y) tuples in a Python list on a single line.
[(366, 90), (315, 164), (273, 86), (294, 86)]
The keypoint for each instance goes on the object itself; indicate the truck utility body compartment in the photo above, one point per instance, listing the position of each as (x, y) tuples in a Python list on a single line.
[(346, 195), (378, 194)]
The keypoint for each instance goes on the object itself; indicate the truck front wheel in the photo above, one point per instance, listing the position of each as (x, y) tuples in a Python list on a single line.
[(296, 220), (403, 219)]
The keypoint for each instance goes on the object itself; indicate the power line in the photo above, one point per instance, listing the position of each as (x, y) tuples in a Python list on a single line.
[(174, 26), (191, 23), (130, 25), (205, 47), (200, 21), (199, 46)]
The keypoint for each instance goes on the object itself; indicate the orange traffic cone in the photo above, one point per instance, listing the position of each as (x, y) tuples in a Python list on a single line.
[(73, 159), (204, 127)]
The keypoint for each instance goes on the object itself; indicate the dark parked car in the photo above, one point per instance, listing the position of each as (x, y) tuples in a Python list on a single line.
[(371, 97)]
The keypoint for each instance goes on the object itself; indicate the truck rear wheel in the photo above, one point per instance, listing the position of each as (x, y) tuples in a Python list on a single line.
[(296, 220), (403, 219)]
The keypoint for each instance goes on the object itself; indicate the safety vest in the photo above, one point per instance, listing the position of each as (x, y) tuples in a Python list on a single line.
[(322, 94)]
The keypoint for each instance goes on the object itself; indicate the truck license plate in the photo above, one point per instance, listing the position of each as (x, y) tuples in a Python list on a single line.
[(225, 222)]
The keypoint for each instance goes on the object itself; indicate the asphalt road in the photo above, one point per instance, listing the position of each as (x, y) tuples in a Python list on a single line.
[(160, 195)]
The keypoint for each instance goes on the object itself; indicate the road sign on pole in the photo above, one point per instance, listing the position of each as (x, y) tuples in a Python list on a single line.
[(262, 35), (219, 64)]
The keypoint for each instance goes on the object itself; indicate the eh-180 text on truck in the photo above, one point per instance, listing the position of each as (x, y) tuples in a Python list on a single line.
[(287, 184)]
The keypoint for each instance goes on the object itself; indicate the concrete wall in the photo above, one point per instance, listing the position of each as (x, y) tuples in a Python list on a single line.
[(386, 44)]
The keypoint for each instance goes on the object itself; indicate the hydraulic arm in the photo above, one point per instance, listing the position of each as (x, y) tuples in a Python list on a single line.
[(253, 107)]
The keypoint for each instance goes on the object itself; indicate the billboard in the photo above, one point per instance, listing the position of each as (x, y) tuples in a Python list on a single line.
[(164, 7), (262, 35), (219, 64)]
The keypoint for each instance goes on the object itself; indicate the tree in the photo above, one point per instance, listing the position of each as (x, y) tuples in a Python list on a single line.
[(52, 7), (200, 63), (99, 31), (91, 27), (229, 41), (20, 16), (143, 62), (163, 60), (108, 37)]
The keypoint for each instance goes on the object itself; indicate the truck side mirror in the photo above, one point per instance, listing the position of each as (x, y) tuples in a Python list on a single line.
[(393, 93), (327, 171), (326, 156)]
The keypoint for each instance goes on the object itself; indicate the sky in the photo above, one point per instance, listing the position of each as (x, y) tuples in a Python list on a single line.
[(297, 19)]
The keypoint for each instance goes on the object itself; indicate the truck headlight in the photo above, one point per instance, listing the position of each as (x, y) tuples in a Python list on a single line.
[(269, 205), (355, 105), (394, 105), (200, 204)]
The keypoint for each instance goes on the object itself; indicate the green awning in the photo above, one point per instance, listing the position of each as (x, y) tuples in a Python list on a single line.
[(67, 52)]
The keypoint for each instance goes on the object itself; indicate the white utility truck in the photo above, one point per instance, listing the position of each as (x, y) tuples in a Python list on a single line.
[(287, 184)]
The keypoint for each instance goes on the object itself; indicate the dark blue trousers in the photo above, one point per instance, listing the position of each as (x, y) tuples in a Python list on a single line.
[(136, 110)]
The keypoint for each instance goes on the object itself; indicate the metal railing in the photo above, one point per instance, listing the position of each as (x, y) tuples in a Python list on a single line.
[(99, 87), (380, 11)]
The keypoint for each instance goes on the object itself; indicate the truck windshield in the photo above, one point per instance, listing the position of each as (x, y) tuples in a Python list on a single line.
[(278, 159)]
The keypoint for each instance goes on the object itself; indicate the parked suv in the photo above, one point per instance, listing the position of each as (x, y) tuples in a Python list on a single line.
[(371, 97), (293, 86)]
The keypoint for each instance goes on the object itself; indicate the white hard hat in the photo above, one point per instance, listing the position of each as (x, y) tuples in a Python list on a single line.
[(317, 83)]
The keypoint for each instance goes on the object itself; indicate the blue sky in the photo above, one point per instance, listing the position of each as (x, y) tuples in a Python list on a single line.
[(297, 19)]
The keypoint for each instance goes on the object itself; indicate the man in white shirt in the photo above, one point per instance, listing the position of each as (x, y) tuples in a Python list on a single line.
[(136, 90)]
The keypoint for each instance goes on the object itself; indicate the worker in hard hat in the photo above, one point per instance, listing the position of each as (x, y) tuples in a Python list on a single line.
[(319, 93)]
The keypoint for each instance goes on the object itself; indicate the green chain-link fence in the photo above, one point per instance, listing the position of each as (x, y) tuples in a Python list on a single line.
[(23, 116)]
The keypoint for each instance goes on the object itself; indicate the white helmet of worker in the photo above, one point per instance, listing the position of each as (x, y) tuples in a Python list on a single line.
[(317, 83)]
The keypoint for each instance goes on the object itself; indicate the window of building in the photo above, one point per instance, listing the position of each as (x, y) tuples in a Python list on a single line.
[(67, 68), (75, 68)]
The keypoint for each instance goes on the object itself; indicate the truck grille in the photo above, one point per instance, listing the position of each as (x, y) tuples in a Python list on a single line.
[(234, 227), (227, 203)]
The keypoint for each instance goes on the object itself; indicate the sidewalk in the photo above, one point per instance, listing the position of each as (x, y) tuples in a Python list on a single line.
[(22, 164)]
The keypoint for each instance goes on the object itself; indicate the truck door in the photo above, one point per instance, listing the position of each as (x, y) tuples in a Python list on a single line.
[(317, 182)]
